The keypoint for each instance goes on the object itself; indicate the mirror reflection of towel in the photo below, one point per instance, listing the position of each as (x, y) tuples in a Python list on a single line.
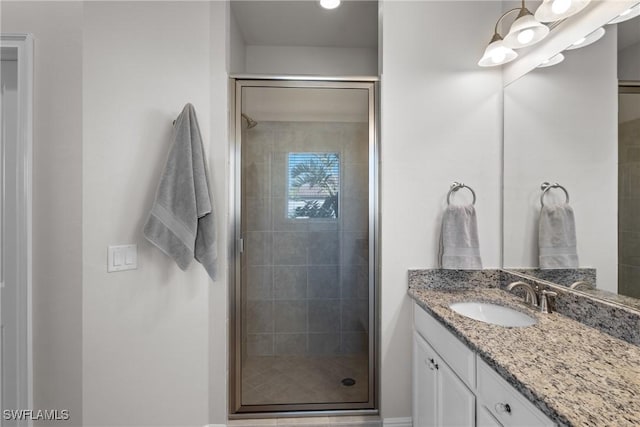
[(557, 237), (181, 223), (460, 247)]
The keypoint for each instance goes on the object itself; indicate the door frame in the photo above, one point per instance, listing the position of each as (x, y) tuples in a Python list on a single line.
[(23, 43), (236, 409)]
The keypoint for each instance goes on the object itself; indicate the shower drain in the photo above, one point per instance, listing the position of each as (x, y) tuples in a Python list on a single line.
[(348, 382)]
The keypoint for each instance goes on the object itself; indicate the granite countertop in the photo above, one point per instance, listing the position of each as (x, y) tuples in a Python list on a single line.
[(575, 374)]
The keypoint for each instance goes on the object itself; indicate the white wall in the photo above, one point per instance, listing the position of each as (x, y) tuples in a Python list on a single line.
[(57, 199), (629, 62), (237, 46), (146, 332), (561, 125), (314, 60), (219, 177), (441, 122)]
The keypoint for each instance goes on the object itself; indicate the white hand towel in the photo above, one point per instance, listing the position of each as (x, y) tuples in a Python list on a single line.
[(557, 237), (460, 247), (181, 223)]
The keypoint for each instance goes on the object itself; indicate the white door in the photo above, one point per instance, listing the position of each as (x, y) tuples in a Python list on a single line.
[(424, 383), (8, 289), (15, 227)]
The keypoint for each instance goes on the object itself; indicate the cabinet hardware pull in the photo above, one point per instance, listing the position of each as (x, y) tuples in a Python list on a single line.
[(503, 407)]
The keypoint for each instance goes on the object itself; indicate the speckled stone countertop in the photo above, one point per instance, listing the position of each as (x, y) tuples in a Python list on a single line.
[(575, 374)]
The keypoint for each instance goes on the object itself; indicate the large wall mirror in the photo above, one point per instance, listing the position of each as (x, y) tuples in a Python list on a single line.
[(578, 124)]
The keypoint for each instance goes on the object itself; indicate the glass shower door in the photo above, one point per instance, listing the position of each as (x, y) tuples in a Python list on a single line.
[(305, 285), (629, 190)]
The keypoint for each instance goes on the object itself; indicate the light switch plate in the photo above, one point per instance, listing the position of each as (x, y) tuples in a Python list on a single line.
[(122, 257)]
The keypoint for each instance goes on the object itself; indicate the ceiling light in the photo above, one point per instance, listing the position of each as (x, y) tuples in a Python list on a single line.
[(497, 53), (330, 4), (555, 10), (630, 13), (525, 31), (556, 59), (587, 40)]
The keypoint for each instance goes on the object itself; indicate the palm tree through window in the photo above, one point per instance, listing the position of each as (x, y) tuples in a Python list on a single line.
[(313, 185)]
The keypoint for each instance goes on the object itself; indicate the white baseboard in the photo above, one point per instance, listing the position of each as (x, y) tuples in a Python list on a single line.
[(215, 425), (397, 422)]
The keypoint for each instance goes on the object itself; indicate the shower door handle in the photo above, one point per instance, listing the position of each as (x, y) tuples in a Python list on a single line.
[(241, 245)]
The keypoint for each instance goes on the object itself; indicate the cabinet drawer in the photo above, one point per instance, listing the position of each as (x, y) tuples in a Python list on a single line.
[(494, 392), (458, 356)]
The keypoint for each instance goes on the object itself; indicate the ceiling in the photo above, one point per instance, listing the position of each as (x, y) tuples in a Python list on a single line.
[(304, 23)]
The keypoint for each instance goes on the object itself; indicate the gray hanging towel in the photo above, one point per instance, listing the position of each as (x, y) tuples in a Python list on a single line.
[(459, 243), (181, 223), (557, 237)]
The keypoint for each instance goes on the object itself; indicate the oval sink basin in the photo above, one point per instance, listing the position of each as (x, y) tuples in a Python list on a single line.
[(493, 313)]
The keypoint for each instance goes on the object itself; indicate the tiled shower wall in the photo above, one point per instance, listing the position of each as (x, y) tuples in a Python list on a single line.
[(305, 281), (629, 208)]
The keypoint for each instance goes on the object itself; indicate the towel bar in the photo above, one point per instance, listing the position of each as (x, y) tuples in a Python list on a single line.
[(455, 187), (545, 186)]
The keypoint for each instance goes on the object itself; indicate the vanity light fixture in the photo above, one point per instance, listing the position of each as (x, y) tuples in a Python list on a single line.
[(525, 31), (497, 53), (588, 39), (630, 13), (555, 10), (330, 4), (555, 59)]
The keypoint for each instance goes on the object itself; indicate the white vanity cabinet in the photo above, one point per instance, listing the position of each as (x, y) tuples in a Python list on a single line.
[(504, 402), (440, 398), (454, 387)]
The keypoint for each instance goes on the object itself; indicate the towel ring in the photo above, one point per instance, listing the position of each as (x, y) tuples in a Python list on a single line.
[(455, 187), (545, 186)]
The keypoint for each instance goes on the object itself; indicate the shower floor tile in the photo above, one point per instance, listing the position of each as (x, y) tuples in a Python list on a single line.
[(273, 380)]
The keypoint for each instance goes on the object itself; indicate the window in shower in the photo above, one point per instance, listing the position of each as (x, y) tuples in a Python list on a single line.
[(314, 184), (304, 330)]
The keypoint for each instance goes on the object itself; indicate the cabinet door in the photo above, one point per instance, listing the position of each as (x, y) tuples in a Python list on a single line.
[(456, 403), (424, 384), (484, 417)]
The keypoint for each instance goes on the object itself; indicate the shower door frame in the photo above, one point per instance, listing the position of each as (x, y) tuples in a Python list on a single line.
[(236, 409)]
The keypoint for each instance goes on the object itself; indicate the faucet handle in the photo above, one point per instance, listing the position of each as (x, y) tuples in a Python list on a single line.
[(547, 303)]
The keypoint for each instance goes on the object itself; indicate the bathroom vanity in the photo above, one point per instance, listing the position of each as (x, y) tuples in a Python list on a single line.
[(555, 372)]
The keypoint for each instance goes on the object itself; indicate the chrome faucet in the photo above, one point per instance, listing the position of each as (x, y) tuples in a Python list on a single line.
[(531, 296), (580, 285), (547, 301)]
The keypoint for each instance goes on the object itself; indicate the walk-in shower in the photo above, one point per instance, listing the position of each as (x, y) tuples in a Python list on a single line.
[(250, 122), (303, 333), (629, 191)]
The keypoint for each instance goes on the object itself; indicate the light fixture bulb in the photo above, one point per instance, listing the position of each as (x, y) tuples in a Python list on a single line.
[(588, 39), (330, 4), (560, 6), (525, 31), (525, 36), (497, 56), (556, 10), (497, 53), (628, 14)]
